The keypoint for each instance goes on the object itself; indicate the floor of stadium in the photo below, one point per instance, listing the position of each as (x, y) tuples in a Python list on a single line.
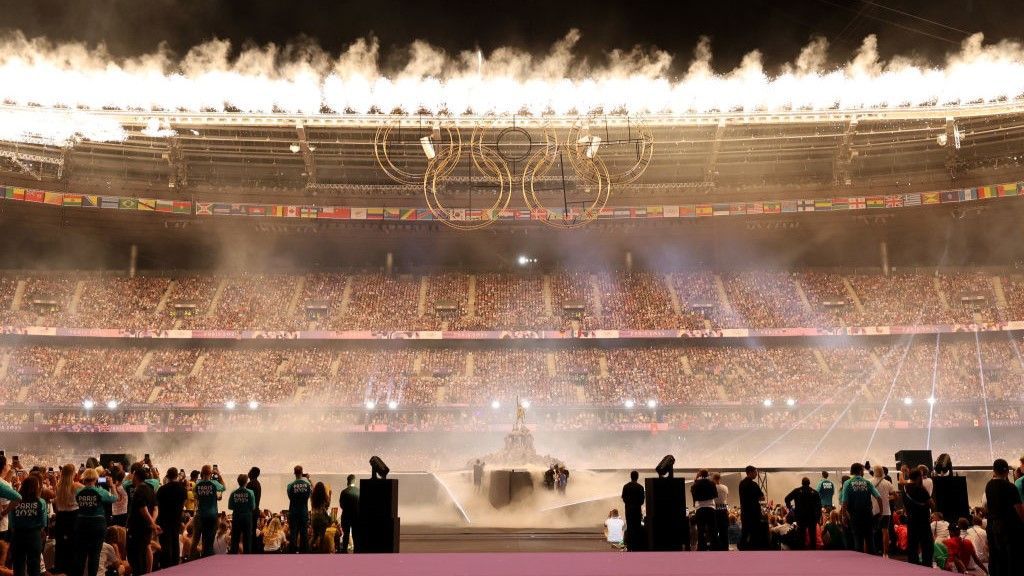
[(556, 564)]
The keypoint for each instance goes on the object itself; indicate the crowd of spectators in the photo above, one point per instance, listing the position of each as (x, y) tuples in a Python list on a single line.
[(434, 300)]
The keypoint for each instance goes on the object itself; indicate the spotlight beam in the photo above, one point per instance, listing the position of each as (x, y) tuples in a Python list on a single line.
[(984, 396)]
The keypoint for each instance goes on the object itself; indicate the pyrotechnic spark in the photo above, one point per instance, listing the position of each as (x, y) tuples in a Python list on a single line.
[(274, 79)]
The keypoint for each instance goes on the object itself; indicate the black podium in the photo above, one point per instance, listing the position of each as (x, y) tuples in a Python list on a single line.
[(668, 529), (379, 526), (508, 487)]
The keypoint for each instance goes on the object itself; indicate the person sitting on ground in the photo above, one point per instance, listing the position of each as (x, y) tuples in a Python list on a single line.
[(615, 530)]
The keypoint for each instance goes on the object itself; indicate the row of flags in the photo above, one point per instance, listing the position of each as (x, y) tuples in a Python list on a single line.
[(197, 208)]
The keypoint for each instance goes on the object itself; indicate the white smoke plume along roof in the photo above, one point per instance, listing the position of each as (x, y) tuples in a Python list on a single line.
[(49, 89)]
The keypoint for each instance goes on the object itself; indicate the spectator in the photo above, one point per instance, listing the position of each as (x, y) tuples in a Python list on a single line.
[(615, 530), (1005, 522), (856, 502), (299, 491), (208, 491)]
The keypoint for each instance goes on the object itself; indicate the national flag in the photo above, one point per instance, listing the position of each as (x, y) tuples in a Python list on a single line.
[(146, 205), (894, 201), (222, 209), (53, 198), (164, 206), (335, 212), (638, 212), (90, 201), (875, 202), (378, 213), (110, 202), (204, 208), (773, 207), (1007, 189), (949, 196), (410, 214), (238, 209), (426, 214), (985, 192), (704, 210), (7, 192), (670, 211), (308, 212), (181, 206), (687, 211), (929, 198), (823, 205), (805, 205), (128, 203), (755, 207), (788, 206), (719, 209), (392, 214), (256, 209), (36, 196), (524, 214), (291, 212), (841, 203), (655, 212), (858, 203), (74, 200), (912, 199), (968, 194), (278, 210), (622, 212), (18, 193)]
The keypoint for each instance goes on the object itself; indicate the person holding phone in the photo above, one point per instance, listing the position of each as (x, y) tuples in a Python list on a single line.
[(208, 491), (91, 523)]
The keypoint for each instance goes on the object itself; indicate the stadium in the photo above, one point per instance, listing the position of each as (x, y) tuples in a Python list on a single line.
[(259, 258)]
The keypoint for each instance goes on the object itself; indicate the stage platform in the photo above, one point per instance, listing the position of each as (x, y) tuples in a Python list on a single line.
[(556, 564)]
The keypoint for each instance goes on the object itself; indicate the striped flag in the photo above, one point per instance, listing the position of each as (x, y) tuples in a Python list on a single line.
[(164, 206), (73, 200), (687, 211), (968, 194), (875, 202), (703, 210), (111, 202), (985, 192), (840, 204), (772, 207), (912, 199), (1007, 189), (823, 205), (719, 209), (53, 198)]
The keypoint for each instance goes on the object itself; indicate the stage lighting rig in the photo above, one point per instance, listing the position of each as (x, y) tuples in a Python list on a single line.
[(665, 467), (378, 468)]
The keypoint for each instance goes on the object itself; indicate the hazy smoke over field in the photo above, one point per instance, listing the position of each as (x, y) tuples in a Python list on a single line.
[(303, 78)]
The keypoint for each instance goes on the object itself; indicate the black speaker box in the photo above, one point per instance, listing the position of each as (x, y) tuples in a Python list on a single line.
[(379, 528), (508, 486), (914, 458), (667, 525), (951, 499)]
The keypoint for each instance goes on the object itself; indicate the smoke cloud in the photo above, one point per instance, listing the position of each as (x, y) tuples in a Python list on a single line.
[(68, 80)]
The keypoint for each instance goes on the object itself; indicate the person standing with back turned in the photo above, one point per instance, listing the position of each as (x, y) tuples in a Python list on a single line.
[(349, 502), (242, 504), (299, 492), (633, 501), (208, 491)]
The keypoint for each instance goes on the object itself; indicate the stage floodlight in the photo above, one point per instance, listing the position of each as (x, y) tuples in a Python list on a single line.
[(932, 400), (111, 404), (525, 404), (652, 403), (767, 402), (428, 147), (665, 467), (392, 404), (294, 148), (908, 401), (378, 468), (370, 404), (495, 404), (790, 402), (253, 404), (629, 404), (523, 260), (230, 404), (88, 404)]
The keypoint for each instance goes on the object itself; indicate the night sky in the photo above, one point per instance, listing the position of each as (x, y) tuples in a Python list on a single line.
[(927, 29)]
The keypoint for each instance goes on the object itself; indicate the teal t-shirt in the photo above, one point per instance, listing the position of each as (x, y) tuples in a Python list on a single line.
[(206, 497), (299, 492), (242, 502), (1020, 487), (26, 516), (8, 493), (856, 494), (91, 500), (827, 491)]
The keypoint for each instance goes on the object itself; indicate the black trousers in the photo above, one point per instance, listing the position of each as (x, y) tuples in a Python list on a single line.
[(751, 537), (706, 528), (721, 529), (208, 533), (1005, 555), (64, 541), (636, 537), (170, 545), (241, 531), (298, 532), (807, 532), (346, 534), (26, 546), (920, 544), (138, 550), (88, 541)]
